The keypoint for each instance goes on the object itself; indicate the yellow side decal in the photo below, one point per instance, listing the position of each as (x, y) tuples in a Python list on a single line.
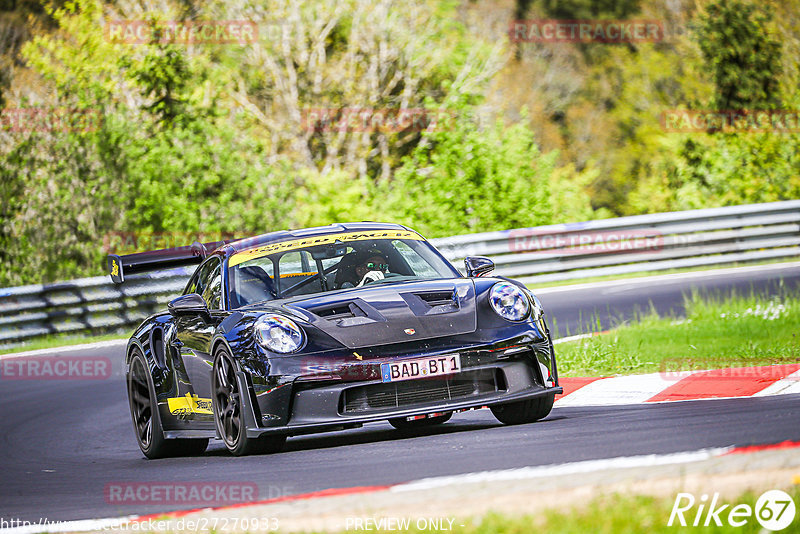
[(114, 268), (283, 246), (189, 404)]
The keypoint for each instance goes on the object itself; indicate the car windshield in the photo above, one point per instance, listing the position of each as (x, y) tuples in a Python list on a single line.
[(306, 267)]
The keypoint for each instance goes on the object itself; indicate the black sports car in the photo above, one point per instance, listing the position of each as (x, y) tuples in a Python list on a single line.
[(328, 328)]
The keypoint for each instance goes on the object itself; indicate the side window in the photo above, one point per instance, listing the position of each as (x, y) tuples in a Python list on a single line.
[(213, 290), (192, 286), (207, 282)]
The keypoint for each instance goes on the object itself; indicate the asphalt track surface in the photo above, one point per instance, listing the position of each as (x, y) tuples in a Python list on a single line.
[(64, 441)]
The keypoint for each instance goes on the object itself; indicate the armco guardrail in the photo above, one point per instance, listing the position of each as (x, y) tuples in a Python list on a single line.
[(660, 241), (536, 255), (88, 304)]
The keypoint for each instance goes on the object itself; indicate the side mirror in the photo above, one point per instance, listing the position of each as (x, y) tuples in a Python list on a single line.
[(478, 265), (191, 304)]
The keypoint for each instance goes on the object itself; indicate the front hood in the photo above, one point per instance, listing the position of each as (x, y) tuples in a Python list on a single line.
[(392, 313)]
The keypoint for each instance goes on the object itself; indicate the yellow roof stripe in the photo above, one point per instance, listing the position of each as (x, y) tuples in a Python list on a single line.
[(284, 246)]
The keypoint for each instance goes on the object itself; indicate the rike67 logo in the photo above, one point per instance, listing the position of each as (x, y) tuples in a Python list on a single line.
[(774, 510)]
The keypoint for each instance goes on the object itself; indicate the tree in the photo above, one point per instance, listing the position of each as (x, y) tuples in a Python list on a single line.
[(339, 57), (464, 178), (742, 54)]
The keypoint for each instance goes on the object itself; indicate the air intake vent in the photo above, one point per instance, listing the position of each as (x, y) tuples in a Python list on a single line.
[(378, 397), (438, 298), (338, 311)]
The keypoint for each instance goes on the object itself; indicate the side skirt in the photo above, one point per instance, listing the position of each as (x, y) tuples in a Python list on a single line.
[(193, 434)]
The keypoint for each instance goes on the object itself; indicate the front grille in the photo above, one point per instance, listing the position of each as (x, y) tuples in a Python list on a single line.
[(422, 391)]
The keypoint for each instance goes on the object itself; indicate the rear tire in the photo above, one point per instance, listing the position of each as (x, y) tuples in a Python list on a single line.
[(228, 412), (527, 411), (147, 419), (400, 423)]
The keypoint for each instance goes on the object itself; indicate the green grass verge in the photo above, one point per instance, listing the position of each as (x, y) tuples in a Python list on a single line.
[(646, 274), (62, 340), (622, 513), (721, 332), (612, 514)]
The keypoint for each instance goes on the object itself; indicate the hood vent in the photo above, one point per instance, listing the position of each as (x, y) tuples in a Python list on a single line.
[(438, 298), (432, 302), (335, 312), (384, 314)]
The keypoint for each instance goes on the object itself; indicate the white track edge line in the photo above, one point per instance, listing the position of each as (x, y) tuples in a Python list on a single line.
[(66, 348), (522, 473), (550, 471)]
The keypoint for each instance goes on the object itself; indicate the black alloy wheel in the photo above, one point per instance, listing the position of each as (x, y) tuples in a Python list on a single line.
[(146, 418), (228, 412)]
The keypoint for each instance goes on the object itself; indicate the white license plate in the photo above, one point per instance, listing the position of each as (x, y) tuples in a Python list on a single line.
[(421, 368)]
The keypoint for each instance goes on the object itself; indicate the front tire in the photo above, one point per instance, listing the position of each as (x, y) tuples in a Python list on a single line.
[(527, 411), (228, 412), (147, 419)]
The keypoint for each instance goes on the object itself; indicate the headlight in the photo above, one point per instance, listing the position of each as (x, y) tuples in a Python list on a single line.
[(278, 333), (509, 301)]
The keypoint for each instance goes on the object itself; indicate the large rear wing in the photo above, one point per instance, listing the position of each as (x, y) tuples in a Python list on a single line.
[(119, 266)]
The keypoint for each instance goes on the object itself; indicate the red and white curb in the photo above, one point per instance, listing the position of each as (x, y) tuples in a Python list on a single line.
[(680, 386), (504, 475)]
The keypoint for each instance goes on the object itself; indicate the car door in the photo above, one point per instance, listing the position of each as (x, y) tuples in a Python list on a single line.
[(194, 333)]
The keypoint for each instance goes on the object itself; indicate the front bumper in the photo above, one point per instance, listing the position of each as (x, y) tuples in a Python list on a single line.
[(508, 371)]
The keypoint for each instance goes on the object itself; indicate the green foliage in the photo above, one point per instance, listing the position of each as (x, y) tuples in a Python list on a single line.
[(211, 138), (589, 9), (465, 179), (173, 163), (729, 167), (161, 77), (744, 57), (205, 139), (333, 197), (57, 205)]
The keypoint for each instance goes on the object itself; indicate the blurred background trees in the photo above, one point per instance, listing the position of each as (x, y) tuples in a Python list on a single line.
[(226, 138)]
